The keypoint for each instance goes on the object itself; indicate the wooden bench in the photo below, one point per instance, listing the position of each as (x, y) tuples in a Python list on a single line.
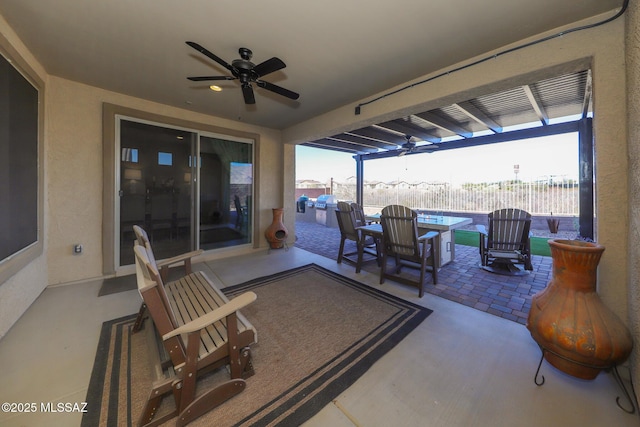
[(164, 266), (197, 329)]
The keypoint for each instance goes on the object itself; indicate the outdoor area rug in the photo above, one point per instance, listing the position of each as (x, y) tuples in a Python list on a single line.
[(114, 285), (318, 332)]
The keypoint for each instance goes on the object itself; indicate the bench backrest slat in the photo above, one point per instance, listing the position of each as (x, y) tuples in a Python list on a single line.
[(155, 297)]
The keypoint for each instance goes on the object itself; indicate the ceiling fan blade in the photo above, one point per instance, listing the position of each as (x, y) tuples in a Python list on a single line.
[(247, 92), (207, 78), (277, 89), (268, 66), (210, 55)]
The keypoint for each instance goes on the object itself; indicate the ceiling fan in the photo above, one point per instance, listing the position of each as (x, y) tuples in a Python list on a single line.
[(410, 146), (247, 72), (407, 147)]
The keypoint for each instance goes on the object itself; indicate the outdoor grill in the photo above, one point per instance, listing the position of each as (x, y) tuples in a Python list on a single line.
[(323, 203), (323, 200)]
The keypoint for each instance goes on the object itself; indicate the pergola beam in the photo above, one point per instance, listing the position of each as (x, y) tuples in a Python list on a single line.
[(331, 143), (515, 135), (536, 104), (389, 138), (406, 127), (470, 110), (445, 124), (360, 140)]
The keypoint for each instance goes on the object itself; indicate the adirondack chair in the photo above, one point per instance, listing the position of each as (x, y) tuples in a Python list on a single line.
[(507, 242), (201, 330), (401, 241), (359, 215), (347, 223)]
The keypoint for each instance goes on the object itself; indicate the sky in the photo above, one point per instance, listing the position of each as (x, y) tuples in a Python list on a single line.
[(555, 155)]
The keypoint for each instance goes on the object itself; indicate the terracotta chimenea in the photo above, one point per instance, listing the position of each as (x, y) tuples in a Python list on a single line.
[(276, 233), (578, 334)]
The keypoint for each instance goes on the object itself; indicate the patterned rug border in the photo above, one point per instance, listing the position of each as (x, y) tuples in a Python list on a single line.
[(331, 383), (100, 365), (353, 373)]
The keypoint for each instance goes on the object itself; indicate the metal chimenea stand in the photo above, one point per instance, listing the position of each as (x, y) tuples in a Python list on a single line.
[(630, 396)]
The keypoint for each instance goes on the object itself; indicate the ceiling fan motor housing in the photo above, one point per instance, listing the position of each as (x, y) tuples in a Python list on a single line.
[(245, 53), (242, 65)]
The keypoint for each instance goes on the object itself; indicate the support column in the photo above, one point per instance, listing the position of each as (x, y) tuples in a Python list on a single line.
[(586, 198), (359, 178)]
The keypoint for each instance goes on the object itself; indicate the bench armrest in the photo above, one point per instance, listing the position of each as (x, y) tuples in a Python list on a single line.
[(178, 259), (482, 229), (219, 313)]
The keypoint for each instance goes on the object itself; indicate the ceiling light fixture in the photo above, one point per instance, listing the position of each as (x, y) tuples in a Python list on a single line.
[(215, 88)]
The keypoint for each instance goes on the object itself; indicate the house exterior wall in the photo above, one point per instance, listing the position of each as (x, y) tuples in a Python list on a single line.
[(21, 289), (75, 172), (632, 50)]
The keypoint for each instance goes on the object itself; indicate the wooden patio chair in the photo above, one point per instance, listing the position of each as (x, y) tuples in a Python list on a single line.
[(507, 242), (358, 212), (201, 331), (365, 244), (401, 241)]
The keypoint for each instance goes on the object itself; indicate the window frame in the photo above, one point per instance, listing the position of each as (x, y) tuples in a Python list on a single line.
[(17, 261), (110, 112)]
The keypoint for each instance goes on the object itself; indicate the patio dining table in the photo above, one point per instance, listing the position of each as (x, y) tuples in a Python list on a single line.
[(444, 225)]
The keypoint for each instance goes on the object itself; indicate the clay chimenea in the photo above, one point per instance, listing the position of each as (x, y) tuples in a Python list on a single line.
[(276, 233), (577, 333)]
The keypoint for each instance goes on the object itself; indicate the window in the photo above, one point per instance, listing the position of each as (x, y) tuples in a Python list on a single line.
[(165, 159), (20, 179), (130, 155)]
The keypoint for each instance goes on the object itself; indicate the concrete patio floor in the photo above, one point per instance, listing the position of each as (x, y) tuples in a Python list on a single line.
[(461, 281)]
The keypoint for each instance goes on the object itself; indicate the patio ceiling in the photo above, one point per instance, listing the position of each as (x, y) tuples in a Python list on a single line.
[(534, 106)]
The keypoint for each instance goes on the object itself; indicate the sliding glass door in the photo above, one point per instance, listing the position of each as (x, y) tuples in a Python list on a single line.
[(226, 190), (186, 189)]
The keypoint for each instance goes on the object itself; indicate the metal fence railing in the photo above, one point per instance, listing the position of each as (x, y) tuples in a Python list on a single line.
[(537, 198)]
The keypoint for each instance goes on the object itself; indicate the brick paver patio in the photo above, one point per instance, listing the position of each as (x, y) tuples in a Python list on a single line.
[(462, 281)]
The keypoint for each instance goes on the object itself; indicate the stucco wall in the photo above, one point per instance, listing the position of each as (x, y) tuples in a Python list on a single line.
[(75, 172), (21, 289), (633, 104), (601, 49)]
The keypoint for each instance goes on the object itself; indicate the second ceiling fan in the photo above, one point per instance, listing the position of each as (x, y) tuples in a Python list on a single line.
[(247, 72), (411, 147)]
